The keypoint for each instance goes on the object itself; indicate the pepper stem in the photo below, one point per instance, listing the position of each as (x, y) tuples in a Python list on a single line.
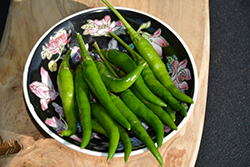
[(137, 58), (135, 36), (104, 59), (83, 51)]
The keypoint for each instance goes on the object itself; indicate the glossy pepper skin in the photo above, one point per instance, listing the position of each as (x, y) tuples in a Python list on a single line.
[(96, 85), (114, 84), (147, 51), (137, 127), (127, 64), (98, 128), (65, 84), (141, 111), (156, 87), (163, 115), (126, 143), (153, 84), (159, 69), (171, 113), (104, 119), (82, 94)]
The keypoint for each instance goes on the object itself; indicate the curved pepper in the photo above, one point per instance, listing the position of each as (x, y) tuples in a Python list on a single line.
[(115, 84), (65, 84), (98, 128), (156, 87), (126, 143), (82, 94), (146, 50), (140, 110), (127, 64), (137, 127), (163, 115), (153, 84), (104, 119), (96, 85), (171, 112)]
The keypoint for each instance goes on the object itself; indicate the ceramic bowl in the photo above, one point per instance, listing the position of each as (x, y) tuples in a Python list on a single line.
[(39, 77)]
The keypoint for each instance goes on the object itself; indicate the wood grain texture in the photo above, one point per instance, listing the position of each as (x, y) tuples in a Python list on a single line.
[(29, 19)]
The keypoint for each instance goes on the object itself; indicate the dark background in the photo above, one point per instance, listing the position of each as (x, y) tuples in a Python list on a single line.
[(226, 138)]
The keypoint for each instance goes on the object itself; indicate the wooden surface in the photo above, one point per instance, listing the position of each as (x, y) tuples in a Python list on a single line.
[(29, 19)]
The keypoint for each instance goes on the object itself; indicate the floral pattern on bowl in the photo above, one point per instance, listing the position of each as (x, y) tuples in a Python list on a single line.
[(40, 88)]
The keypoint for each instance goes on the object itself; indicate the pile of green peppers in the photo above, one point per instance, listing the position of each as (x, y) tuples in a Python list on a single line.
[(110, 96)]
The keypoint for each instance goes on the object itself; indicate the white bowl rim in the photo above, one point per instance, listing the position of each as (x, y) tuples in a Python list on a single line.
[(97, 153)]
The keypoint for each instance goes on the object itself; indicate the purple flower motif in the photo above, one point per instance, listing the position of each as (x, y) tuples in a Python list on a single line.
[(103, 27), (75, 53), (144, 125), (44, 90), (180, 74), (95, 135), (166, 128), (58, 109)]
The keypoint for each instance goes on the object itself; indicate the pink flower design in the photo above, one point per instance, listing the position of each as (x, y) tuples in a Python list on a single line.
[(59, 127), (56, 124), (44, 90), (76, 138), (180, 74), (157, 41), (103, 27), (56, 44)]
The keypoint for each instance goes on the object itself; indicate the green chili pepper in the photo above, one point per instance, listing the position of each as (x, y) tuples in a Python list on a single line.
[(126, 143), (170, 111), (163, 115), (96, 85), (82, 94), (115, 84), (143, 112), (147, 51), (137, 127), (153, 84), (104, 119), (156, 87), (127, 64), (98, 128), (65, 84), (98, 50), (137, 109)]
